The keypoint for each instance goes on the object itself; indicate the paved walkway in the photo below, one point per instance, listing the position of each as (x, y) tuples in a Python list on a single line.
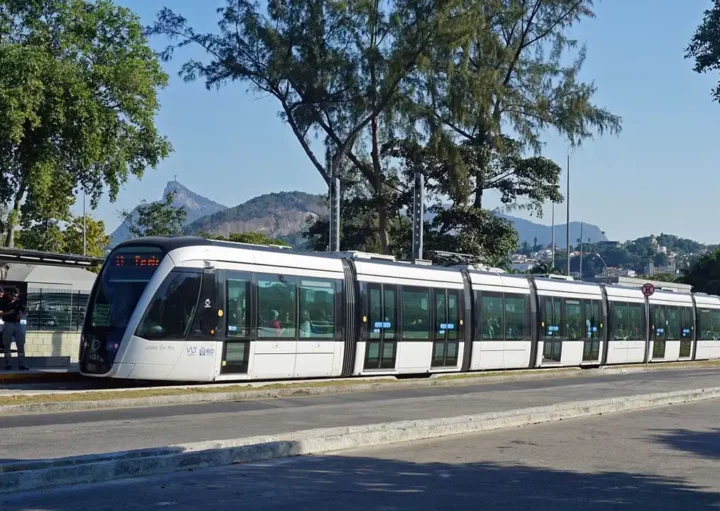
[(67, 434), (662, 459)]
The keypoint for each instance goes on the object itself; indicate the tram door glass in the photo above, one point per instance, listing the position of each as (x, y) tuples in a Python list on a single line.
[(237, 347), (381, 348), (447, 325), (686, 332), (553, 330), (660, 325), (593, 331)]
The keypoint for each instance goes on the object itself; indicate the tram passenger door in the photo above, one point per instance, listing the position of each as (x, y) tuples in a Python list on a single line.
[(591, 349), (446, 345), (553, 331), (659, 331), (381, 346)]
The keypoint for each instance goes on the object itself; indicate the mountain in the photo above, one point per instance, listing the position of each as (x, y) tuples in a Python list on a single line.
[(284, 215), (527, 231), (195, 205), (280, 215)]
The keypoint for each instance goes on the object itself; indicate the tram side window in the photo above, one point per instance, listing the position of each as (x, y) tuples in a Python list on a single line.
[(276, 307), (237, 307), (573, 319), (705, 325), (636, 326), (552, 317), (317, 309), (716, 324), (709, 324), (171, 310), (491, 317), (620, 321), (515, 317), (416, 313)]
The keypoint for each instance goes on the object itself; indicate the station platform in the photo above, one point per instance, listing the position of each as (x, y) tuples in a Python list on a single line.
[(39, 374)]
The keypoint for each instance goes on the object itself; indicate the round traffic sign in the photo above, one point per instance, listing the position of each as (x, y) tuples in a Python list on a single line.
[(648, 289)]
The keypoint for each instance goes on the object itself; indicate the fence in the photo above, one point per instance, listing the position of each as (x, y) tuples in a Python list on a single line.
[(51, 309)]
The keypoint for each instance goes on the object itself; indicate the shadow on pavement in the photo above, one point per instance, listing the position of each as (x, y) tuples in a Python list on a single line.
[(701, 443), (344, 483)]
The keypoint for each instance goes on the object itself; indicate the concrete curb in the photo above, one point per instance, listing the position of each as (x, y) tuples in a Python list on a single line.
[(214, 394), (29, 476)]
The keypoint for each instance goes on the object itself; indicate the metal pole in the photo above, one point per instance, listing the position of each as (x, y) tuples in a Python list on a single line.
[(417, 216), (581, 248), (552, 256), (84, 227), (335, 214), (567, 199)]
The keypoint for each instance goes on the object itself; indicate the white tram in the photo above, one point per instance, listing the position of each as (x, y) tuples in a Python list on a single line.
[(190, 309)]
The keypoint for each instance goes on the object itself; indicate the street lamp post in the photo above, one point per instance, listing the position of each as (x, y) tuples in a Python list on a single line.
[(603, 261), (84, 227), (567, 233)]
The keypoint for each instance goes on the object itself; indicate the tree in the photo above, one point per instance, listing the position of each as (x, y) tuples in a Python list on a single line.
[(704, 275), (704, 46), (509, 74), (78, 96), (254, 238), (342, 69), (156, 219), (95, 237), (46, 237)]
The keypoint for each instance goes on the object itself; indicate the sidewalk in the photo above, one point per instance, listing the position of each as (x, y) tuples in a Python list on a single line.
[(35, 436), (40, 451)]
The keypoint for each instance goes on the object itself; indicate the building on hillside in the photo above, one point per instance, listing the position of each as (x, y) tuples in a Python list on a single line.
[(525, 265), (612, 272), (56, 297), (651, 269)]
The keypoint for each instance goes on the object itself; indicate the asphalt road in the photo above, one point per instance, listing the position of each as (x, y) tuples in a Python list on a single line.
[(66, 434), (666, 458)]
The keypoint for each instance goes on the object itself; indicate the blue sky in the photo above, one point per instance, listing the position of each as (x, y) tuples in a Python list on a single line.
[(658, 175)]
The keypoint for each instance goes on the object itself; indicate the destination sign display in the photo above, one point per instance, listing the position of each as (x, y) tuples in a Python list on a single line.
[(137, 260)]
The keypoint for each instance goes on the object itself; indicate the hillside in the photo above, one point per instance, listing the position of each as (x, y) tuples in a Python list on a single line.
[(280, 215), (527, 231), (195, 205)]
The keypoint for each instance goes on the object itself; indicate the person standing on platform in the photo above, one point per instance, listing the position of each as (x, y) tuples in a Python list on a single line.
[(12, 311)]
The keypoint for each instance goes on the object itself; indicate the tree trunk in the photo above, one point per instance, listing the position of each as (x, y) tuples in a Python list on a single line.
[(15, 215), (478, 195)]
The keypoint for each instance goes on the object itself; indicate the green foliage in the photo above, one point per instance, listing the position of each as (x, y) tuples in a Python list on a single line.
[(78, 96), (705, 45), (704, 275), (510, 73), (254, 238), (443, 77), (49, 237), (46, 236), (96, 238), (156, 219), (341, 69)]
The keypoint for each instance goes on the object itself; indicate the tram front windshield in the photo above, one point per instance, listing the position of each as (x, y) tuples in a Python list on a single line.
[(122, 282)]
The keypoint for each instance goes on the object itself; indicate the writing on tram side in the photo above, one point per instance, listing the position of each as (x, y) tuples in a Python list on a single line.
[(159, 347), (199, 351)]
